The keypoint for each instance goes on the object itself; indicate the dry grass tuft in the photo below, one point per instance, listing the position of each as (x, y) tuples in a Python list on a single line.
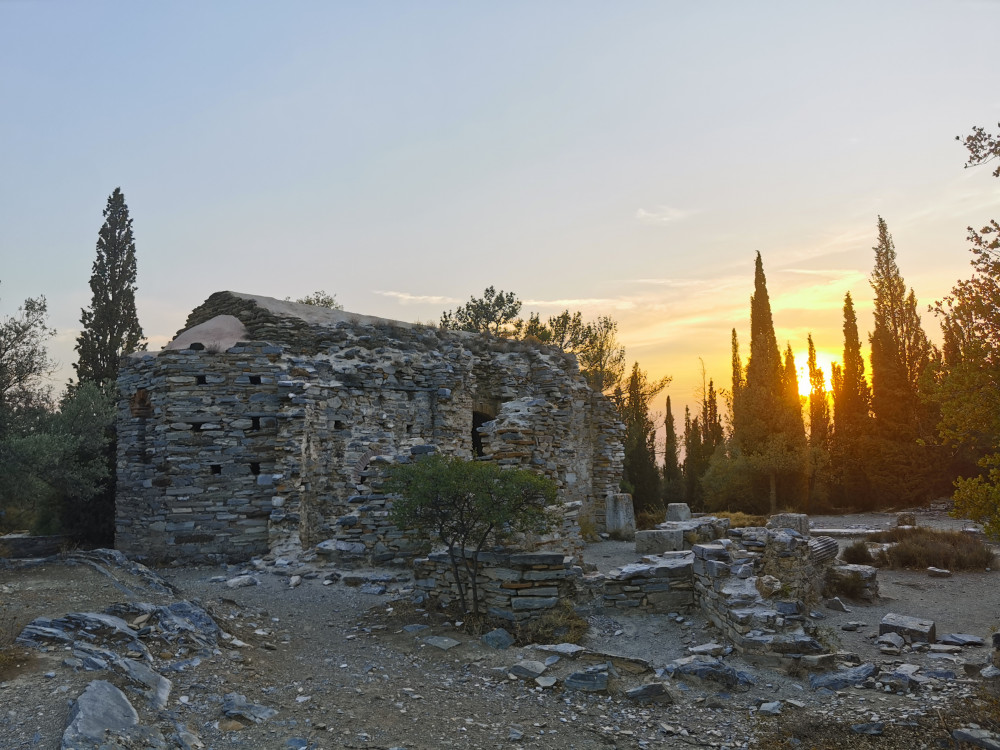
[(740, 520), (918, 548), (559, 625), (857, 553)]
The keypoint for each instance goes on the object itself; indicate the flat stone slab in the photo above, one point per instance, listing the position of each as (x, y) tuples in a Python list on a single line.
[(678, 512), (961, 639), (442, 642), (587, 682), (911, 628), (842, 678), (653, 692), (563, 649), (100, 707), (657, 541), (527, 670), (499, 639)]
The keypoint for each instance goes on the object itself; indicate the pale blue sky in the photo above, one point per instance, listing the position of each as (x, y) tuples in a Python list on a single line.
[(619, 158)]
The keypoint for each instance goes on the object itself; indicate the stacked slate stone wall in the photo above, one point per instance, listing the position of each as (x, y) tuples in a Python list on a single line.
[(277, 445), (512, 586), (662, 585), (768, 626)]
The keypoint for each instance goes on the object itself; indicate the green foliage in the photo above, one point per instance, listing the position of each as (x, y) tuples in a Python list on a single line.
[(640, 473), (319, 298), (24, 362), (918, 548), (966, 380), (494, 313), (851, 420), (767, 424), (673, 479), (56, 468), (464, 505), (110, 326)]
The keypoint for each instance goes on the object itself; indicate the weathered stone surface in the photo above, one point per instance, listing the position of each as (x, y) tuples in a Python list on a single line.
[(99, 708), (619, 516), (911, 628), (653, 692), (587, 682), (236, 706), (655, 541), (798, 522), (360, 392), (979, 737), (498, 639), (842, 678), (527, 670), (961, 639), (441, 641), (678, 512)]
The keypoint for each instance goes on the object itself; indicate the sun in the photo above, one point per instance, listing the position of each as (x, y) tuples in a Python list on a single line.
[(824, 360)]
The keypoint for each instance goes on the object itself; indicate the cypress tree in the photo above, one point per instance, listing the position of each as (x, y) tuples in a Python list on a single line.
[(640, 472), (673, 482), (766, 429), (819, 430), (110, 326), (851, 418), (903, 465)]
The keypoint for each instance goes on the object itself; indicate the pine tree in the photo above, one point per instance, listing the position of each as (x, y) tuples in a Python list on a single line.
[(766, 429), (851, 418), (110, 327)]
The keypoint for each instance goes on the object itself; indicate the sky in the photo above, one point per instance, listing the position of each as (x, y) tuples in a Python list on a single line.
[(625, 159)]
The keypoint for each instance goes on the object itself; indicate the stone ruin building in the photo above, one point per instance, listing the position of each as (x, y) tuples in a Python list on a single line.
[(260, 428)]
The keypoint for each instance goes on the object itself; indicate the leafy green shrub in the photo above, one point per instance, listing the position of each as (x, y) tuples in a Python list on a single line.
[(464, 505), (922, 548), (857, 553)]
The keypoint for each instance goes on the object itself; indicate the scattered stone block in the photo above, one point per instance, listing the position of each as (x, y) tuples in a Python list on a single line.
[(620, 516), (842, 678), (961, 639), (498, 639), (678, 512), (911, 628), (527, 670), (798, 522), (441, 641), (657, 541), (653, 692), (587, 682), (979, 737), (99, 708), (771, 708), (938, 572)]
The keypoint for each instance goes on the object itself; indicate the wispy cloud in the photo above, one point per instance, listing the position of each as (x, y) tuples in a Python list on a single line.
[(662, 215), (418, 299)]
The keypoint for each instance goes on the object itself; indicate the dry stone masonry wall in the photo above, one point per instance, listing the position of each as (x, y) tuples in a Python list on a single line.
[(264, 427)]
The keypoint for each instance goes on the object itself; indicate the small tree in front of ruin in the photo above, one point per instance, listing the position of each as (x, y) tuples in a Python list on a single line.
[(466, 504)]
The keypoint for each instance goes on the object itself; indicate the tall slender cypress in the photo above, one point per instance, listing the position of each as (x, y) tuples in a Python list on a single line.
[(110, 326)]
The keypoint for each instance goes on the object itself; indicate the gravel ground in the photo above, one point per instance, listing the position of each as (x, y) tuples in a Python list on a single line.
[(341, 671)]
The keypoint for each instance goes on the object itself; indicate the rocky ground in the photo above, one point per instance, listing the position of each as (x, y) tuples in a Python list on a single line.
[(307, 656)]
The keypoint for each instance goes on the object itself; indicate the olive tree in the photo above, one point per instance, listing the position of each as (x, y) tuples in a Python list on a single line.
[(464, 505)]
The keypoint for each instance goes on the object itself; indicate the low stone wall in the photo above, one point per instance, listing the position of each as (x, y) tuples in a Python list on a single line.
[(680, 535), (17, 546), (513, 586), (665, 585)]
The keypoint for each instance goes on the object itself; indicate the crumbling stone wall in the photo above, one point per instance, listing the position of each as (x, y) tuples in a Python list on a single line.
[(273, 441), (514, 586)]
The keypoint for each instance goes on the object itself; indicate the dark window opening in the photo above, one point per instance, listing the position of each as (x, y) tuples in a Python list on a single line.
[(254, 379), (409, 429), (201, 379), (478, 420), (254, 423), (338, 425), (141, 405), (254, 468), (196, 427), (216, 468)]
